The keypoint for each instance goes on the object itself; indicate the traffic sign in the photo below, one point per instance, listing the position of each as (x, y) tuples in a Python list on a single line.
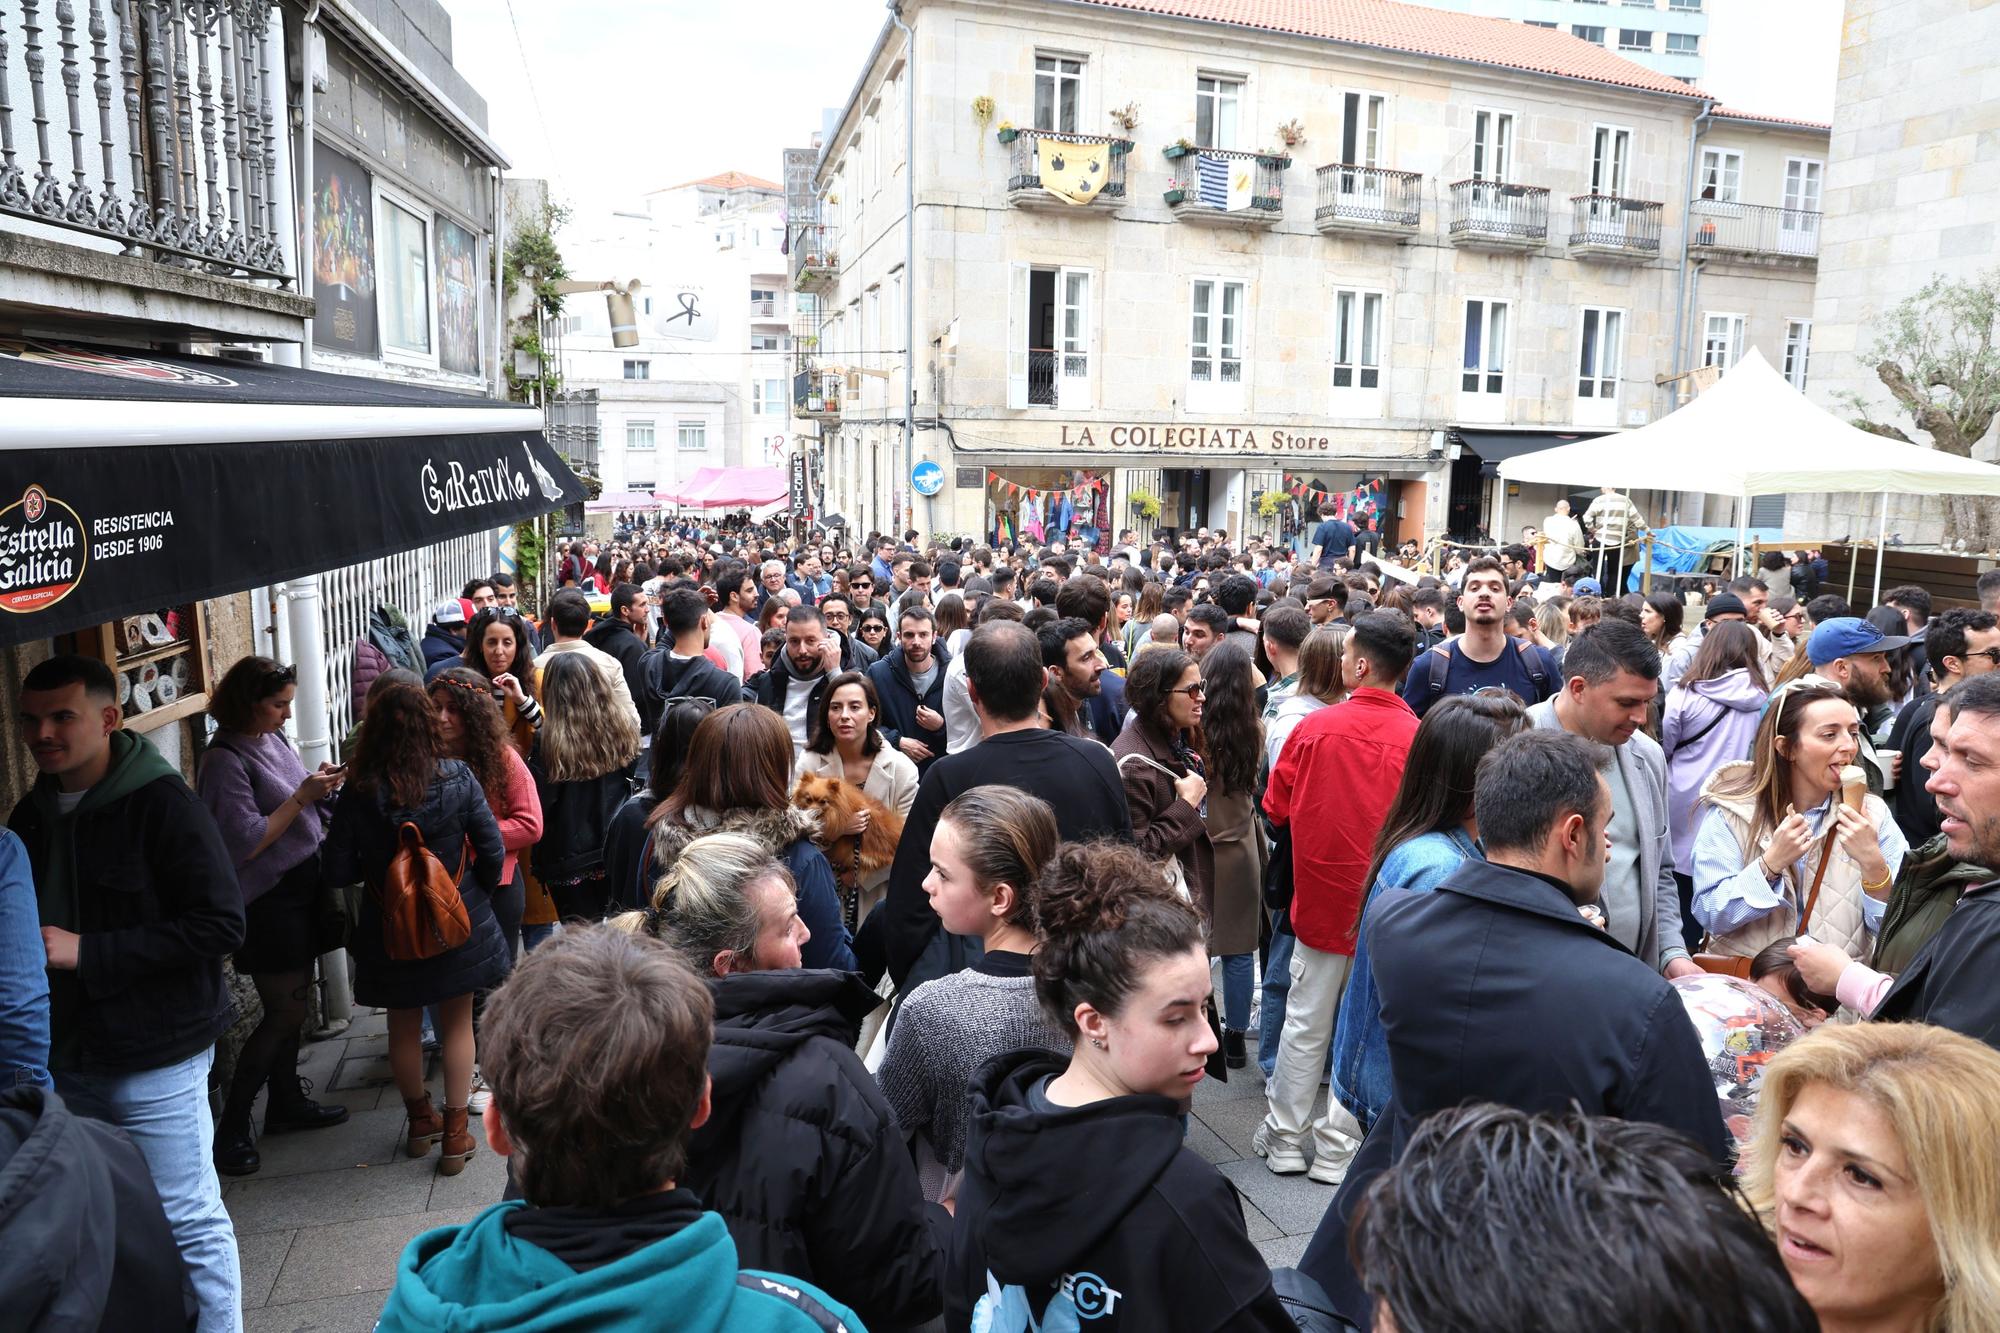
[(927, 477)]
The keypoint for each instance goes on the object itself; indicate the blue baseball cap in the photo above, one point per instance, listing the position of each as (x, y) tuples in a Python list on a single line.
[(1847, 636), (1589, 588)]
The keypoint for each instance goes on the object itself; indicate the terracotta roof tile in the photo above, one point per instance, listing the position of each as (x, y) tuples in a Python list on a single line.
[(1420, 30), (1738, 113)]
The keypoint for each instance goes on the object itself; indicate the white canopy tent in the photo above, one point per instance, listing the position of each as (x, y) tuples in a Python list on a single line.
[(1754, 434)]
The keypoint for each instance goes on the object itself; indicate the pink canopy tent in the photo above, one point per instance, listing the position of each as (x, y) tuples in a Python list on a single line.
[(730, 488), (622, 501)]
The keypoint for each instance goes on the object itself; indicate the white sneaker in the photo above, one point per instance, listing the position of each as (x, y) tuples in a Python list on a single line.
[(481, 1095), (1281, 1159), (1328, 1169)]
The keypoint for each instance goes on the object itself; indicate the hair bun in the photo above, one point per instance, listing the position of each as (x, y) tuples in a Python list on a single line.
[(1093, 887)]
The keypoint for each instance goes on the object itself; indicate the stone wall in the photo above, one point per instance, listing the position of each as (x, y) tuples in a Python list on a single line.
[(1913, 189)]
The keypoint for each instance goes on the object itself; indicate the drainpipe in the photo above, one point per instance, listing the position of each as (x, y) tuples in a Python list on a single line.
[(499, 282), (1701, 123), (909, 251), (309, 37)]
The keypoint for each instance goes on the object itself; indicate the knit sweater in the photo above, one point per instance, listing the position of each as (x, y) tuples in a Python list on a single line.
[(945, 1031)]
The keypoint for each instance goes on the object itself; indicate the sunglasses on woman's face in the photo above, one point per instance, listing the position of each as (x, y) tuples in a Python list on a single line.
[(1191, 691)]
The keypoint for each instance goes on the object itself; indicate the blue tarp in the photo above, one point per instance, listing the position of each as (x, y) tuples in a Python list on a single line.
[(1680, 550)]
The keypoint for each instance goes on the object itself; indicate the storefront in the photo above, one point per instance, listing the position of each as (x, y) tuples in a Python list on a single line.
[(1004, 478)]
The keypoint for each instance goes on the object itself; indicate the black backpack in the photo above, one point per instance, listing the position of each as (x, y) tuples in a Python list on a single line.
[(1532, 661)]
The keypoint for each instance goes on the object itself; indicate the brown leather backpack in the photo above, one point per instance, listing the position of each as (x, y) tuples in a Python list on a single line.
[(423, 914)]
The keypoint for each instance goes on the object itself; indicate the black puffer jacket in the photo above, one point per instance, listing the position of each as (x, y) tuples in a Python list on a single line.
[(358, 846), (84, 1242), (802, 1156)]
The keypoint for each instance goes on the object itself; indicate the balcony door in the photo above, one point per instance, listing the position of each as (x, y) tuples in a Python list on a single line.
[(1798, 224), (1492, 160), (1049, 356), (1361, 128), (1610, 167)]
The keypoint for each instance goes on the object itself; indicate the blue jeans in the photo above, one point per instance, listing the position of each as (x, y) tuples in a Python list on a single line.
[(1277, 985), (24, 978), (165, 1111), (1239, 978), (534, 935)]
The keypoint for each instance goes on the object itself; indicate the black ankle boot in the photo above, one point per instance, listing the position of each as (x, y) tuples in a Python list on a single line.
[(1233, 1053), (236, 1147), (290, 1108)]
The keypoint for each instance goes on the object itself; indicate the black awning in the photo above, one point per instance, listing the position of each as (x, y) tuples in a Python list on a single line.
[(132, 480), (1495, 447)]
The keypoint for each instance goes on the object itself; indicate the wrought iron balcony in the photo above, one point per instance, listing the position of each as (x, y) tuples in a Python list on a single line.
[(816, 394), (1495, 215), (1368, 201), (1604, 226), (768, 311), (1025, 187), (172, 127), (570, 422), (1254, 182), (1783, 235), (815, 257)]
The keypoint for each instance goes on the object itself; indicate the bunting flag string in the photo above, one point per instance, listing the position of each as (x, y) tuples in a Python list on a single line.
[(1367, 498), (1080, 491)]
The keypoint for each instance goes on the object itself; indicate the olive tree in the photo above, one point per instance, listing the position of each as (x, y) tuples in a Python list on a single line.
[(1935, 352)]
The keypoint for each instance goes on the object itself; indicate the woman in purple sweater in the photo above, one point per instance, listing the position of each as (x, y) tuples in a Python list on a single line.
[(273, 817)]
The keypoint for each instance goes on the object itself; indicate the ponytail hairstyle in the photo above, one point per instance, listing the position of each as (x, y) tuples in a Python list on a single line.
[(1102, 911), (703, 906), (1006, 836)]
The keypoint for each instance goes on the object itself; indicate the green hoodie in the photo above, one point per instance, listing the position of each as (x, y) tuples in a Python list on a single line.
[(481, 1278), (134, 764), (1929, 886)]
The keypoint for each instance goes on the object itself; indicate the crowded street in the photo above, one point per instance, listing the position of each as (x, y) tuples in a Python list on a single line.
[(951, 705)]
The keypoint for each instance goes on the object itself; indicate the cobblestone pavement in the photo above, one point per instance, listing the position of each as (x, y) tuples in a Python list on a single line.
[(321, 1224)]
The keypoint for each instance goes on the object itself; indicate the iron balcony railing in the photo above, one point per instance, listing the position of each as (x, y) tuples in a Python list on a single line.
[(1267, 180), (1495, 208), (570, 422), (172, 126), (816, 392), (763, 309), (1369, 194), (1041, 377), (1753, 229), (1024, 163), (814, 250), (1608, 220)]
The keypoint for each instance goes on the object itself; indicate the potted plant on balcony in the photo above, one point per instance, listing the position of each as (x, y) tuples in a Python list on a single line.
[(1125, 118), (1179, 148), (1007, 133), (1292, 133), (1144, 503)]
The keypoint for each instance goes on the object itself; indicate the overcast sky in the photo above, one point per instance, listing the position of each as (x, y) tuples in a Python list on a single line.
[(640, 94), (618, 97)]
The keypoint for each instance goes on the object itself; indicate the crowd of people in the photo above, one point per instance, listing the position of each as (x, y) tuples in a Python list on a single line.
[(835, 936)]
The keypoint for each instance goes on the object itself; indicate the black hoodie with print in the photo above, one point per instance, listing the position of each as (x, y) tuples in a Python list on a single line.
[(1095, 1216)]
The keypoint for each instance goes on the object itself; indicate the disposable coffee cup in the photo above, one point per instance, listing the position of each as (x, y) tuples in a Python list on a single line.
[(1891, 760)]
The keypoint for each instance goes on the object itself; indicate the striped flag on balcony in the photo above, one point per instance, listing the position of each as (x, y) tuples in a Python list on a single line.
[(1212, 180)]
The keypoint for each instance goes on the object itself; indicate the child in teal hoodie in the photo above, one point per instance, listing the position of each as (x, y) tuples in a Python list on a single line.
[(596, 1053)]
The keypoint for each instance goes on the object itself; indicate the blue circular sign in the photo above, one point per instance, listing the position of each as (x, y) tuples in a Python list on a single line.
[(927, 477)]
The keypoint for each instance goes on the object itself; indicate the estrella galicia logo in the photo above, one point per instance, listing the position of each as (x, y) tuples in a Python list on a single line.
[(1080, 1297)]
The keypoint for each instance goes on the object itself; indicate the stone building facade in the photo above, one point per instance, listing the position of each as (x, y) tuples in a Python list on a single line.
[(1478, 246)]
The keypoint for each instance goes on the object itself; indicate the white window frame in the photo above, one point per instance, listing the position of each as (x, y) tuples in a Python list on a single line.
[(1599, 384), (1241, 98), (1693, 50), (1486, 399), (693, 429), (1620, 182), (1726, 351), (1727, 166), (644, 365), (387, 197), (1501, 145), (650, 448), (1626, 44), (1798, 352), (776, 339), (1371, 144), (1686, 6), (1056, 78), (767, 394), (1580, 31), (1350, 337), (1075, 339), (1220, 340)]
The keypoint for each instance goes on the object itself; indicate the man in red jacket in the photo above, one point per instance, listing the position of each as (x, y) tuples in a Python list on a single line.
[(1333, 785)]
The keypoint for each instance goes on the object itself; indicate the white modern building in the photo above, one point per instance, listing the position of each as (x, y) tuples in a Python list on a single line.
[(706, 384), (1481, 237), (1664, 35)]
